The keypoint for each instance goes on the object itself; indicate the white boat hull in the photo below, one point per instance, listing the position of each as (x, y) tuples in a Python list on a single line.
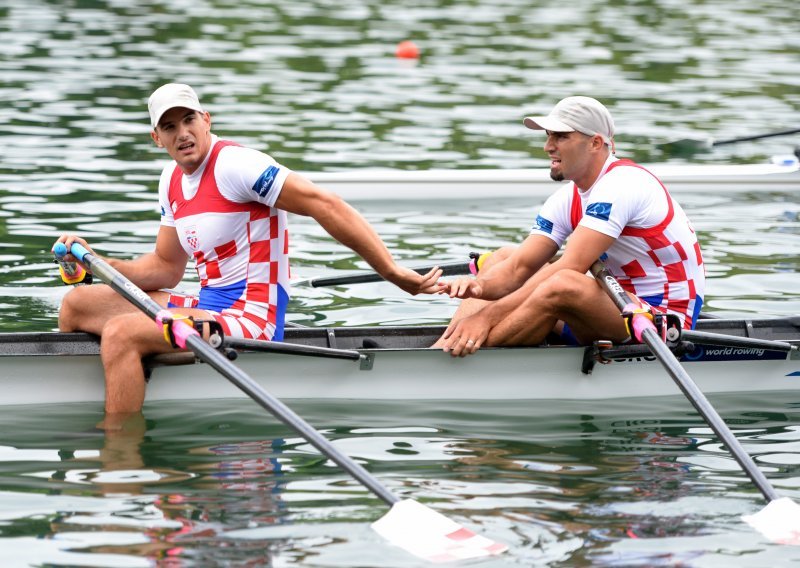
[(64, 373), (422, 185)]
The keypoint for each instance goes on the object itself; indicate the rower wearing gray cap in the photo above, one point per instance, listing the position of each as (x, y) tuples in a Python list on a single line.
[(612, 208)]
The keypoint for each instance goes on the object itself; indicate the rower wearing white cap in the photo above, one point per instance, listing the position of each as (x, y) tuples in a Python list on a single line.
[(612, 209), (223, 206)]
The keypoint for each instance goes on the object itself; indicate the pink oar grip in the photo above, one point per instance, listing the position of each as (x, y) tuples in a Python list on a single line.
[(639, 321), (180, 329)]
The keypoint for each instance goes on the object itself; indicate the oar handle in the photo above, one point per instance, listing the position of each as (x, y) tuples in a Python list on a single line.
[(71, 273), (448, 269), (76, 249)]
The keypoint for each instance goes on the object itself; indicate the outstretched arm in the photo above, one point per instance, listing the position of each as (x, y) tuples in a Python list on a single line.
[(348, 226)]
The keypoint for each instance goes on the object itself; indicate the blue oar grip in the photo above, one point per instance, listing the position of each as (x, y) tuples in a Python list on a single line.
[(71, 272), (77, 250), (60, 250)]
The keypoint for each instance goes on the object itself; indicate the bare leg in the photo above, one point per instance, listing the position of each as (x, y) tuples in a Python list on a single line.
[(88, 308), (125, 340), (126, 335), (567, 296)]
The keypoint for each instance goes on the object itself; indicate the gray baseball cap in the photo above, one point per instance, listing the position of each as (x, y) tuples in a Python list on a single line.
[(576, 114)]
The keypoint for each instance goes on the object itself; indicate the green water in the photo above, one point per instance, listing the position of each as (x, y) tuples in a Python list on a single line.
[(316, 85), (219, 484)]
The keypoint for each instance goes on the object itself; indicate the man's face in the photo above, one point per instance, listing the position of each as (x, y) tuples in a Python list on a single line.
[(569, 154), (186, 136)]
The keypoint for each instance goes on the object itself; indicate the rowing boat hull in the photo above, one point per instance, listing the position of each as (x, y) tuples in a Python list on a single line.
[(58, 368), (426, 185)]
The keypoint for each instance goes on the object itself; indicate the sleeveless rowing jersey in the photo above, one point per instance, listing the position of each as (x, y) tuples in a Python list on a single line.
[(226, 220), (656, 255)]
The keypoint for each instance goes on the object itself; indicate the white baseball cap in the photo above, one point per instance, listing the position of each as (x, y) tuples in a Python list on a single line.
[(170, 96), (576, 114)]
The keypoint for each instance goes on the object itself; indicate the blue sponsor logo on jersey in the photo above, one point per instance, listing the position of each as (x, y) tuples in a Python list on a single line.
[(544, 225), (265, 181), (599, 210), (163, 212)]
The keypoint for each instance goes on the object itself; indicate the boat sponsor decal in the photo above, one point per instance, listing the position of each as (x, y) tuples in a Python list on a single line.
[(544, 225), (599, 210), (265, 181), (136, 292), (795, 374), (613, 285), (721, 353), (707, 353)]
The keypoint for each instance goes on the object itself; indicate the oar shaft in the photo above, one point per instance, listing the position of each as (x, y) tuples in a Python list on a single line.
[(286, 415), (686, 384), (208, 354), (708, 338), (448, 269), (293, 348), (755, 137), (709, 414)]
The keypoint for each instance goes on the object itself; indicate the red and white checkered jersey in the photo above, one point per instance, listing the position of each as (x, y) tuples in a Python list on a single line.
[(655, 256), (226, 220)]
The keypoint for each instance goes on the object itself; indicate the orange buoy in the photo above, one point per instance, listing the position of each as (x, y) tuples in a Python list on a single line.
[(407, 50)]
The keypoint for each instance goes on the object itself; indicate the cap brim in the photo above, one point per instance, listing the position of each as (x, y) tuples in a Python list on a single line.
[(546, 123), (156, 118)]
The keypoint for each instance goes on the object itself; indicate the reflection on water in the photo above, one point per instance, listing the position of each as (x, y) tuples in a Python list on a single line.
[(635, 482)]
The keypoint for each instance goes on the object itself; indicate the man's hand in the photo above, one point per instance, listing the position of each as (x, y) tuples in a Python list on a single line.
[(466, 336), (68, 240), (415, 283), (461, 288)]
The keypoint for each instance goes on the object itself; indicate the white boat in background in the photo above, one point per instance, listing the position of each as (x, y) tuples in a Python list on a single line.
[(394, 363), (397, 185)]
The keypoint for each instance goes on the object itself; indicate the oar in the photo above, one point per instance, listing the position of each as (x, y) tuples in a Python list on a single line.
[(721, 339), (688, 144), (448, 269), (292, 348), (780, 519), (408, 524)]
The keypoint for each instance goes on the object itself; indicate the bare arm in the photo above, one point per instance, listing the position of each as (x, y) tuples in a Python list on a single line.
[(509, 275), (465, 336), (348, 226), (162, 268), (583, 248)]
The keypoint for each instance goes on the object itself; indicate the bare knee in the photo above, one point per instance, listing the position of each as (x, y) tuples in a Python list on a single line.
[(74, 307), (561, 290), (116, 340)]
